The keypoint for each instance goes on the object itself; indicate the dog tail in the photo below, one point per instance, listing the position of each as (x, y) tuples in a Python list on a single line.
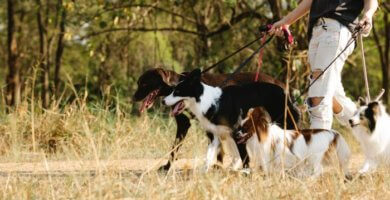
[(343, 151)]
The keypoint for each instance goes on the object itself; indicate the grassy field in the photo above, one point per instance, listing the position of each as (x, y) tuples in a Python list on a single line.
[(89, 152)]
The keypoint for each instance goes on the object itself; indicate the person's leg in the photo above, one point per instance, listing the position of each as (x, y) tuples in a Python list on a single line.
[(346, 107), (326, 44), (320, 109)]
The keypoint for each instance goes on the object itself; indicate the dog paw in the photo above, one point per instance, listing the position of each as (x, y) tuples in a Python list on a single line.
[(237, 164)]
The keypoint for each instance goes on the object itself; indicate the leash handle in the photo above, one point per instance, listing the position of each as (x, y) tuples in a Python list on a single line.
[(286, 32)]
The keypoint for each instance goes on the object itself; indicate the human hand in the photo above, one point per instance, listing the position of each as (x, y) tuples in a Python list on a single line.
[(278, 26), (366, 23)]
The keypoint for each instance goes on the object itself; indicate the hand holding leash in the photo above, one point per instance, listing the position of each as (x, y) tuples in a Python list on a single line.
[(279, 31), (269, 29), (264, 30), (366, 24)]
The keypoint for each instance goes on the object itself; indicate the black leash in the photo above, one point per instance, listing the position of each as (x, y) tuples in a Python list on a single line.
[(246, 61), (263, 30), (232, 54)]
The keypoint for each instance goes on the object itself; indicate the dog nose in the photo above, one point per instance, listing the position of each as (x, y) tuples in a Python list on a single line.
[(164, 103), (351, 122)]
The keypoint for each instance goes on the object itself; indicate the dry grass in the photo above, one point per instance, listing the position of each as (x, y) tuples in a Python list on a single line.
[(80, 152)]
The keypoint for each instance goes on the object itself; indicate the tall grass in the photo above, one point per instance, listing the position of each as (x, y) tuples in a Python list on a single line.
[(76, 132), (85, 151)]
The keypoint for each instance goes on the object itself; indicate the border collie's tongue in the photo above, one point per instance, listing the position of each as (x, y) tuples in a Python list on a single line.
[(179, 107), (148, 102)]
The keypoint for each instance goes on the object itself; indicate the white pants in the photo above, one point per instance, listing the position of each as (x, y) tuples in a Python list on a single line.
[(328, 40)]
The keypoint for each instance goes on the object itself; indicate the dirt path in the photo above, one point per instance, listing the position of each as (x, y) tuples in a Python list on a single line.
[(71, 167), (129, 165)]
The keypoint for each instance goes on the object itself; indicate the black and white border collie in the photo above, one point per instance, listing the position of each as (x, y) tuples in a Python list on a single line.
[(220, 111), (371, 127), (272, 147)]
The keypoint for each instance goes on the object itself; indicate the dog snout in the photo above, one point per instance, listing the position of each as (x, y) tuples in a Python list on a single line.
[(351, 122)]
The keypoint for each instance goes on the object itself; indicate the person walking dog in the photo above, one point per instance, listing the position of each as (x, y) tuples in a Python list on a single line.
[(331, 23)]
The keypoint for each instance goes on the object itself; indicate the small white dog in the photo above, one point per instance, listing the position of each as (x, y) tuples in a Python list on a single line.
[(371, 127), (272, 146)]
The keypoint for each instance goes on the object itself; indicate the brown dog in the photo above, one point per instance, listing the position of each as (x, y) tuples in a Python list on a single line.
[(158, 82)]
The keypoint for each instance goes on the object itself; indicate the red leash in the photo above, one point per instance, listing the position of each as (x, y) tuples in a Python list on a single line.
[(260, 59), (288, 37)]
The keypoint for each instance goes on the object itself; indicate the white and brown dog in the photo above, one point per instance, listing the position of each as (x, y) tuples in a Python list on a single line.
[(371, 127), (270, 146)]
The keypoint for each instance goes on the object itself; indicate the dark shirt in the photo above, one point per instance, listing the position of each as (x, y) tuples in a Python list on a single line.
[(344, 11)]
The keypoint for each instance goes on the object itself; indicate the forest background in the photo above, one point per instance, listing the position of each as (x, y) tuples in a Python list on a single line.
[(48, 47)]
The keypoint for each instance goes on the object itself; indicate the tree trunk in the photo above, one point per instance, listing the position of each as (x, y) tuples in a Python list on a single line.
[(13, 78), (105, 71), (43, 57), (60, 48), (384, 54), (276, 9)]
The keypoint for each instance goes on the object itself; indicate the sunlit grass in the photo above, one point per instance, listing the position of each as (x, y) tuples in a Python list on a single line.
[(95, 150)]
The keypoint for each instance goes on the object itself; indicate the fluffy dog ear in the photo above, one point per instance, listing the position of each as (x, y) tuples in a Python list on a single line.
[(165, 76)]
